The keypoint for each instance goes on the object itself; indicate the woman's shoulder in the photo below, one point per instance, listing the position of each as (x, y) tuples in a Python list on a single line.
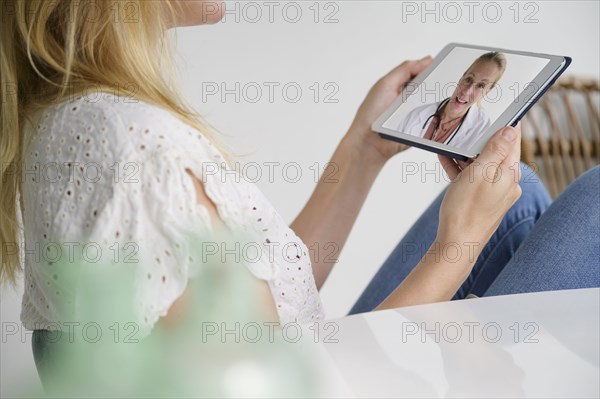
[(412, 121), (106, 106), (110, 128), (420, 111)]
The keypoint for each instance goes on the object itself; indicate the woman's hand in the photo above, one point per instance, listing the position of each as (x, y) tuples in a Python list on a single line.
[(381, 95), (481, 192), (478, 198)]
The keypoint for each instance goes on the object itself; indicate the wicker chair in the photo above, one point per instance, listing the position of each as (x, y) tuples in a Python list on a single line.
[(561, 133)]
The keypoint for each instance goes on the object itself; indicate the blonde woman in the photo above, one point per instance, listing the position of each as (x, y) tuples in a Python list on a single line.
[(459, 120), (83, 90)]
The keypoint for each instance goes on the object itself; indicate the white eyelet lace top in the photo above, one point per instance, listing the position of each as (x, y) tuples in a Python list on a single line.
[(113, 171)]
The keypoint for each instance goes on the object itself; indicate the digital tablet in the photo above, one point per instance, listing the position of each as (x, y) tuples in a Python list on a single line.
[(467, 94)]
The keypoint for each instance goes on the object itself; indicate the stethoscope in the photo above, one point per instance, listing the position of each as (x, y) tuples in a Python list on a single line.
[(439, 119)]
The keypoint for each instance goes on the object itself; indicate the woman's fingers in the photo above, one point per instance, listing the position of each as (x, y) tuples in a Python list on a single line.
[(514, 155), (463, 164), (499, 162), (405, 72), (450, 166), (512, 162), (502, 151)]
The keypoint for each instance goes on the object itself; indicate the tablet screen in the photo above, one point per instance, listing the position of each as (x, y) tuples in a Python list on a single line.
[(464, 95)]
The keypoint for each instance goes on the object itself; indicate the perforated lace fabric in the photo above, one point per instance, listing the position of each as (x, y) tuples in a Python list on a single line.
[(111, 174)]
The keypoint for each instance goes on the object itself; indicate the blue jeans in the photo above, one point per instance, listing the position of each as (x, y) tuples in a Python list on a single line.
[(540, 245)]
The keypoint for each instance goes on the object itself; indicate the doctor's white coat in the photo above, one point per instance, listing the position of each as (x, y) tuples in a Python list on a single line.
[(475, 124)]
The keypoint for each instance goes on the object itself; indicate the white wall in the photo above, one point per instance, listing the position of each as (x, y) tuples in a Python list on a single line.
[(370, 38)]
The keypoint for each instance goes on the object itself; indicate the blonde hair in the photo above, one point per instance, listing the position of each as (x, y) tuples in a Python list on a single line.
[(53, 50)]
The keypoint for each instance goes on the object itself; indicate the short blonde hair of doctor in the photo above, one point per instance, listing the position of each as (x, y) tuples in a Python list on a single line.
[(56, 50), (493, 56)]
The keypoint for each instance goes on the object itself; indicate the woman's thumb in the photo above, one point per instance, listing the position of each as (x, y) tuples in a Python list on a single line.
[(503, 147)]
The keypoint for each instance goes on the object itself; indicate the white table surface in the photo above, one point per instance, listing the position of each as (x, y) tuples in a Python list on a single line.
[(399, 353), (528, 345)]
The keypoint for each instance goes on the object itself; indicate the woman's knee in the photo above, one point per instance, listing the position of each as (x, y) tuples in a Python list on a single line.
[(586, 186), (582, 195)]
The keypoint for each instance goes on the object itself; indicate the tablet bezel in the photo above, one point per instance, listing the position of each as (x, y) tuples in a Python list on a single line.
[(513, 113)]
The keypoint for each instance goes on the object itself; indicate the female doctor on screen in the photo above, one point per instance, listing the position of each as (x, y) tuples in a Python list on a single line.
[(458, 120)]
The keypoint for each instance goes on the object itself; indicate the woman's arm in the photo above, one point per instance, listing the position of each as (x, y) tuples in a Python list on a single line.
[(325, 222), (177, 311), (473, 207), (328, 217)]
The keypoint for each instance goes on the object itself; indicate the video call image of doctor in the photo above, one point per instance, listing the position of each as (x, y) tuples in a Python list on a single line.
[(459, 120)]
